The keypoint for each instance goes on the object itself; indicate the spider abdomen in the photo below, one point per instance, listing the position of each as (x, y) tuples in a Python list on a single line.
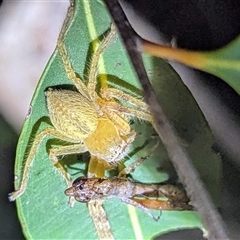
[(71, 114)]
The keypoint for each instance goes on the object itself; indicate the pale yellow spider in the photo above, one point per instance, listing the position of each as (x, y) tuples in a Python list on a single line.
[(89, 121)]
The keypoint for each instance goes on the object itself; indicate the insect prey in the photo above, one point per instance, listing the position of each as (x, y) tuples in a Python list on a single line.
[(85, 189), (140, 195)]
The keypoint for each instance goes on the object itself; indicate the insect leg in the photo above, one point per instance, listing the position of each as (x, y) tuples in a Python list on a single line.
[(154, 204), (140, 206)]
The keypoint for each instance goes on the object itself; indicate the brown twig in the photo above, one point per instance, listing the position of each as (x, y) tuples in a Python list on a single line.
[(185, 170)]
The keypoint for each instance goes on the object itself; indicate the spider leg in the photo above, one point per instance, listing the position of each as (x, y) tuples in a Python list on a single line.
[(109, 93), (92, 80), (136, 113), (100, 219), (119, 121), (140, 109), (97, 167), (69, 69), (29, 161), (135, 164), (62, 151)]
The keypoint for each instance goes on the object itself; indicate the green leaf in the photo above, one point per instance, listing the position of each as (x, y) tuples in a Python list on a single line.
[(223, 63), (43, 209)]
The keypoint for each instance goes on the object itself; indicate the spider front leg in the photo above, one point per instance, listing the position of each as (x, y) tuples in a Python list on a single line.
[(31, 156), (79, 84), (92, 77), (109, 93), (138, 109), (62, 151)]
